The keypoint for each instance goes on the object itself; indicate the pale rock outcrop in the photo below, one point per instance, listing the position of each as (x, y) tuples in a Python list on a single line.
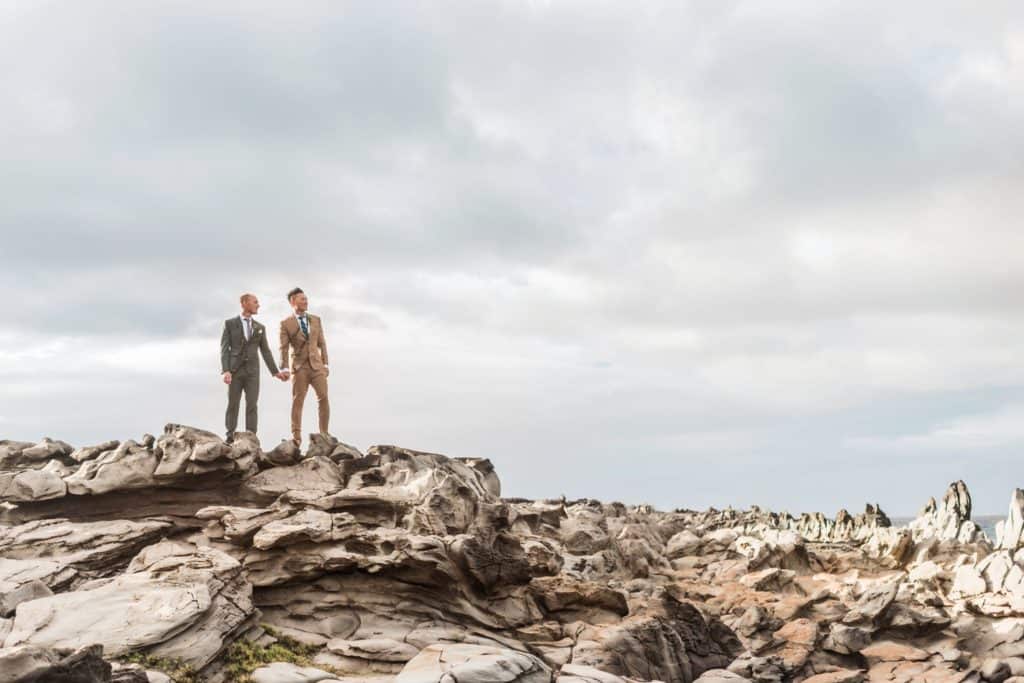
[(384, 655), (948, 521), (327, 446), (22, 580), (26, 663), (16, 455), (683, 544), (312, 476), (840, 676), (34, 484), (89, 549), (577, 673), (182, 455), (773, 548), (400, 564), (283, 672), (473, 664), (174, 600), (847, 640), (994, 584), (721, 676), (876, 598), (1010, 532)]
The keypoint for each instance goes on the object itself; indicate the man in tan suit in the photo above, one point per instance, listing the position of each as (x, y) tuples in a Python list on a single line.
[(302, 335)]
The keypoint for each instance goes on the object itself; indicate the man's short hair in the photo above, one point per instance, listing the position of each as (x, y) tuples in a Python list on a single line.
[(245, 296), (297, 290)]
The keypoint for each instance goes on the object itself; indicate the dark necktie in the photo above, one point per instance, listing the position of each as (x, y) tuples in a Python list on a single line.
[(305, 328), (248, 328)]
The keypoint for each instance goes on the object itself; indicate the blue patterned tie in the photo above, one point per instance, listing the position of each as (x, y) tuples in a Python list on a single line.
[(305, 329)]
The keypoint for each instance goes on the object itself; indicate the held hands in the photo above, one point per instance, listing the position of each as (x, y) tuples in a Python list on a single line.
[(283, 375), (227, 377)]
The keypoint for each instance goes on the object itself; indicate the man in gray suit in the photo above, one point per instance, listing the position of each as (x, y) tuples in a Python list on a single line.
[(241, 366)]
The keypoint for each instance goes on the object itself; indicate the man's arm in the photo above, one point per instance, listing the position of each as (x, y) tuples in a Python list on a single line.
[(284, 349), (322, 343), (225, 354), (268, 357), (225, 349)]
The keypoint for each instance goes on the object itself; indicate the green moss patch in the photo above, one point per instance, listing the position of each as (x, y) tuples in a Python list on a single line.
[(242, 658), (245, 656), (175, 668)]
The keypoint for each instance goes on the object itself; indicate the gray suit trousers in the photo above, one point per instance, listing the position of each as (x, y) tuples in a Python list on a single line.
[(246, 379)]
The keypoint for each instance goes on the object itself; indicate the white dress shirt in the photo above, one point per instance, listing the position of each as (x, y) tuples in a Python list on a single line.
[(246, 329)]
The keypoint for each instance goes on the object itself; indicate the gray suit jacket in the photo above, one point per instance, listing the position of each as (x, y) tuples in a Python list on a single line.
[(236, 352)]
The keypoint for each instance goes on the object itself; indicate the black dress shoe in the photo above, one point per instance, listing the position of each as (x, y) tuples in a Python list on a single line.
[(230, 438)]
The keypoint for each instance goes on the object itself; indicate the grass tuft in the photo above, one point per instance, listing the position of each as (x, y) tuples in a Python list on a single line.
[(245, 656), (242, 658), (178, 670)]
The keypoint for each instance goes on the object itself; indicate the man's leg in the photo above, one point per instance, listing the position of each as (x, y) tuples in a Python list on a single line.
[(252, 396), (300, 385), (319, 382), (234, 398)]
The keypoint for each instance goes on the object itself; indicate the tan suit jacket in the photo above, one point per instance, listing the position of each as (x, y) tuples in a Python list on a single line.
[(304, 353)]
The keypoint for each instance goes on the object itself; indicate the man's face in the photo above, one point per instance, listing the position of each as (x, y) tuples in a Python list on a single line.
[(251, 305), (300, 302)]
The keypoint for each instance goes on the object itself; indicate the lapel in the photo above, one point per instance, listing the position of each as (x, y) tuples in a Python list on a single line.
[(295, 332)]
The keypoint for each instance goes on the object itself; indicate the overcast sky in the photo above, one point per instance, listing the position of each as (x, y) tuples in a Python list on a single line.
[(685, 253)]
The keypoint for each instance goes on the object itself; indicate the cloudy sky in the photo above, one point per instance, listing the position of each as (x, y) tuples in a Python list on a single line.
[(685, 253)]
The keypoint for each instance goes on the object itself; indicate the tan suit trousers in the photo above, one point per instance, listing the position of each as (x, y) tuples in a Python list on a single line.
[(301, 379)]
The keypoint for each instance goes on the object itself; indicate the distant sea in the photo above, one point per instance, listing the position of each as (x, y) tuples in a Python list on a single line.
[(986, 522)]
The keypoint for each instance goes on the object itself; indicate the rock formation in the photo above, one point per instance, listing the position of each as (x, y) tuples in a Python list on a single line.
[(400, 565)]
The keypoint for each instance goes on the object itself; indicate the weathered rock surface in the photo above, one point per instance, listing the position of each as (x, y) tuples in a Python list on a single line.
[(473, 664), (29, 663), (182, 456), (173, 600), (283, 672), (950, 520), (1010, 532), (85, 549), (401, 565)]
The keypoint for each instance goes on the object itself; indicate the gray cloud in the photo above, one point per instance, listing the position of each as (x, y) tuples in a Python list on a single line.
[(694, 253)]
